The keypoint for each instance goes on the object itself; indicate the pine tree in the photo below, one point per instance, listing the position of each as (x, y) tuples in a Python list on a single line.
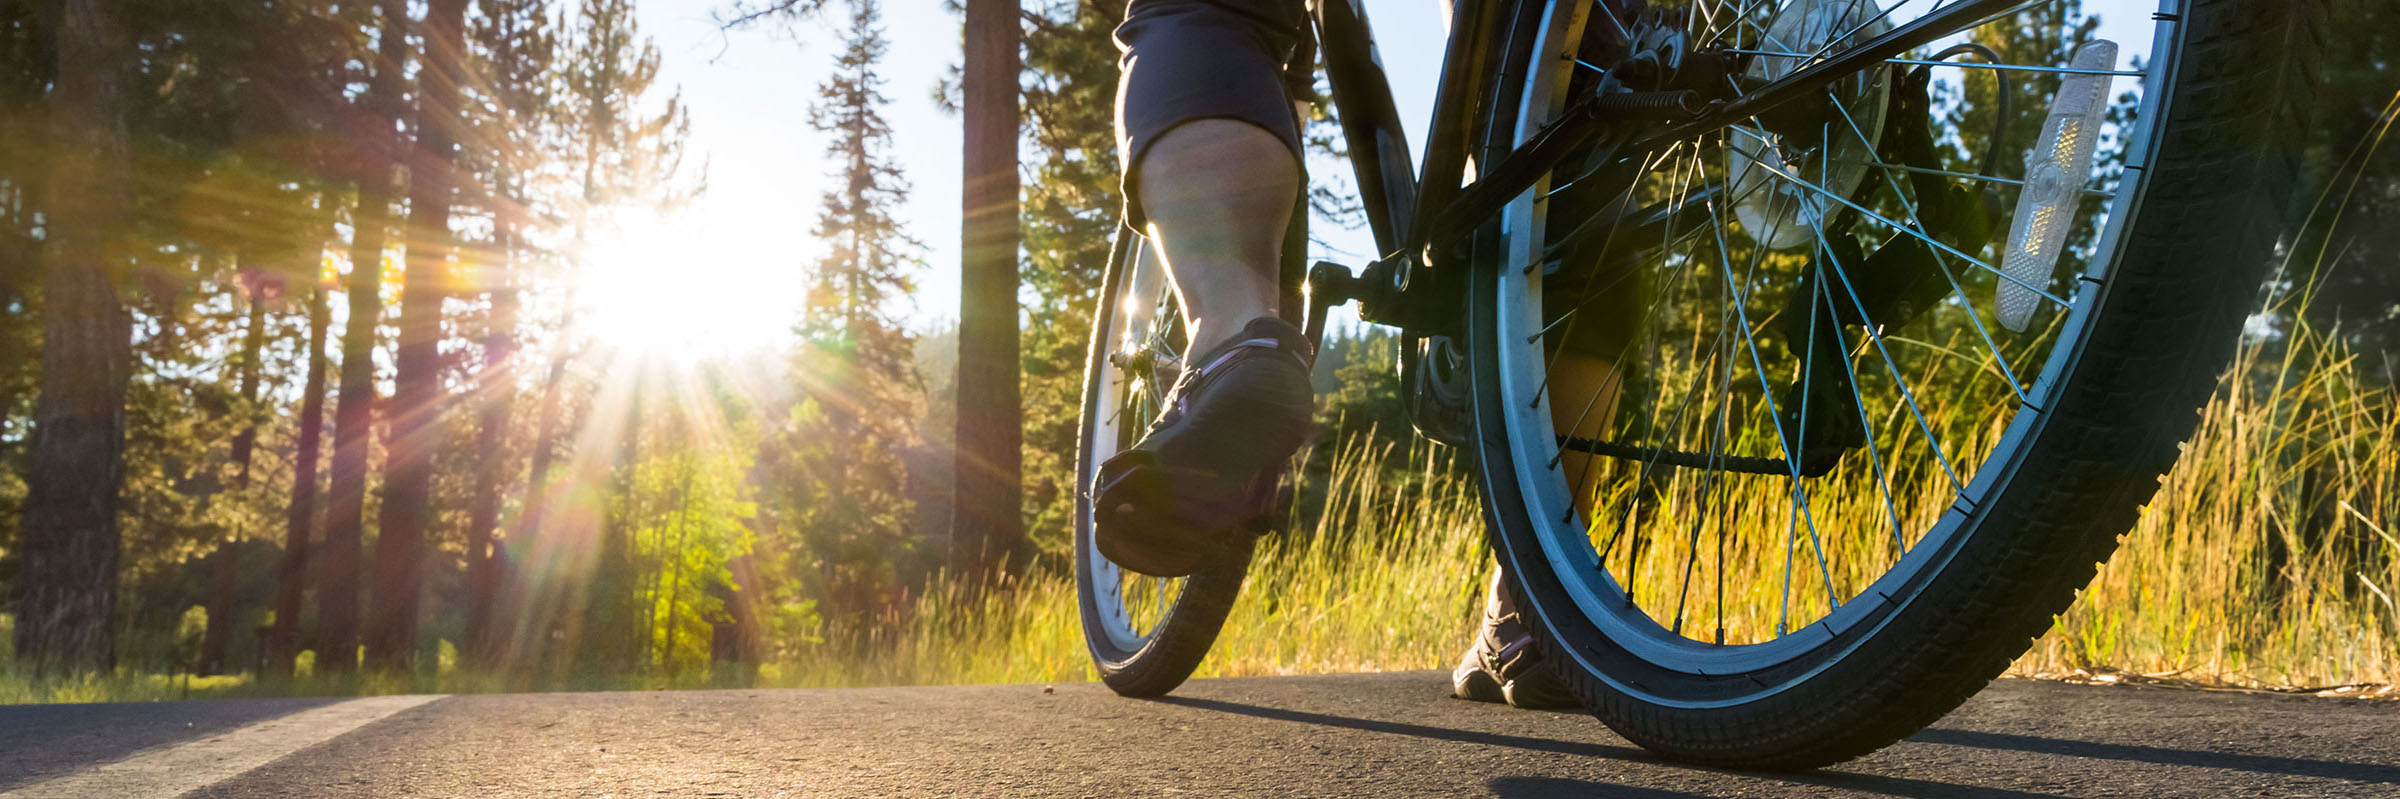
[(354, 406), (622, 155), (857, 385), (416, 417), (66, 600), (986, 532), (515, 52)]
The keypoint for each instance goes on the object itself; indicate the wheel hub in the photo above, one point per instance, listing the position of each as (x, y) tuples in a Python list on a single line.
[(1810, 141)]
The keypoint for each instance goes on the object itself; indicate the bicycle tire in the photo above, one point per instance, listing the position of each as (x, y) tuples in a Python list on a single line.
[(1156, 663), (2212, 199)]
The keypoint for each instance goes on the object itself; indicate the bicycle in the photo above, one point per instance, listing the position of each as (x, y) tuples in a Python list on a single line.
[(1886, 404)]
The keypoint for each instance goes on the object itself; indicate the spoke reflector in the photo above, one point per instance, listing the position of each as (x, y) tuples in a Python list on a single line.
[(2055, 171)]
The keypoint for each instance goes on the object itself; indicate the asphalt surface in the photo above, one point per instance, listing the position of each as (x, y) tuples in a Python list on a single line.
[(1375, 735)]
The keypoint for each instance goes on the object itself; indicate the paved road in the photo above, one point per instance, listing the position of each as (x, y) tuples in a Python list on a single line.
[(1378, 735)]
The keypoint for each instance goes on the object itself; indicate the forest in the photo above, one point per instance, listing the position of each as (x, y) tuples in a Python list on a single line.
[(296, 387)]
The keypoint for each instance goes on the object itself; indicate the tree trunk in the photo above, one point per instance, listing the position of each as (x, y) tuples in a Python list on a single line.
[(491, 441), (354, 408), (66, 594), (300, 517), (533, 608), (987, 525), (225, 583), (416, 424)]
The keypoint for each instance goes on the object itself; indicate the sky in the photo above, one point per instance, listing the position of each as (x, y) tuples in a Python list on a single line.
[(739, 251)]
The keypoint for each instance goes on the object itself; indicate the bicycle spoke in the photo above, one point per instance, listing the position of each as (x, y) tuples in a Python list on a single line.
[(1875, 334), (1680, 427), (1961, 175), (1883, 480), (1960, 64), (1903, 228), (1790, 454), (1715, 481), (1974, 319)]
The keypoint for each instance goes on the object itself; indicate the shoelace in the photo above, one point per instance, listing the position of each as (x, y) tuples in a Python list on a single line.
[(1193, 381)]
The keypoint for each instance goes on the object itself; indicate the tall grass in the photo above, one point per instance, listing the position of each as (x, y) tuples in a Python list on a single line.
[(1386, 577), (2268, 557)]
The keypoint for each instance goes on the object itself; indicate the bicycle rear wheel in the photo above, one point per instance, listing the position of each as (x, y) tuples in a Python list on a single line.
[(1785, 458), (1145, 634)]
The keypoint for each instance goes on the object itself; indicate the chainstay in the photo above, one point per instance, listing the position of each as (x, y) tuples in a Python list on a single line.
[(1661, 456)]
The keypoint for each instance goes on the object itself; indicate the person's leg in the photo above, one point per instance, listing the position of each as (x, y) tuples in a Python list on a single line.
[(1210, 148), (1212, 170), (1218, 194), (1585, 384)]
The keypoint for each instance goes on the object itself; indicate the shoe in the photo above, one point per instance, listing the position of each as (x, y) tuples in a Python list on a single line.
[(1178, 499), (1502, 665)]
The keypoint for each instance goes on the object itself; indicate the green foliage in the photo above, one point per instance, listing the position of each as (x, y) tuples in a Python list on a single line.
[(1069, 212), (843, 482), (696, 518)]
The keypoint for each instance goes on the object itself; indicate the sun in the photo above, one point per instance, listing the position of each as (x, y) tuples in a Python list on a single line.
[(676, 287)]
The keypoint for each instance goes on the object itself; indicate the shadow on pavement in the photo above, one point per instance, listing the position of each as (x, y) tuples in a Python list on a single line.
[(1560, 788), (2263, 764), (1533, 787), (42, 741)]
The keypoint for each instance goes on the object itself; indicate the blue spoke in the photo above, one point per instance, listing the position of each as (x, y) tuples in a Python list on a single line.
[(1974, 319)]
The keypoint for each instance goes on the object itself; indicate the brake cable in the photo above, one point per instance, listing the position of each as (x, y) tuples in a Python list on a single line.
[(1992, 150)]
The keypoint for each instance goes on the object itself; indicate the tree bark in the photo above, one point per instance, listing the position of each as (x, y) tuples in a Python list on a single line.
[(416, 422), (491, 441), (987, 524), (536, 615), (300, 518), (225, 583), (66, 596), (354, 408)]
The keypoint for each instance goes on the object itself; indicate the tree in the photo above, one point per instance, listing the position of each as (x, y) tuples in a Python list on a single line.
[(224, 582), (624, 155), (416, 421), (300, 515), (987, 531), (1071, 213), (847, 487), (311, 86), (354, 407), (2341, 265), (517, 49), (66, 598)]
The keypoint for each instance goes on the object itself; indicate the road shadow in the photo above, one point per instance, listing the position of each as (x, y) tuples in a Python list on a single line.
[(1544, 787), (1562, 788), (2262, 764), (42, 741)]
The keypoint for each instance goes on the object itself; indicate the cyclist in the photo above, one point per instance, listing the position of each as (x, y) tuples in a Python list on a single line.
[(1211, 155)]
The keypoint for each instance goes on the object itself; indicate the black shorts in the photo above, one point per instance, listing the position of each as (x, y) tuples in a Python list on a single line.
[(1187, 60)]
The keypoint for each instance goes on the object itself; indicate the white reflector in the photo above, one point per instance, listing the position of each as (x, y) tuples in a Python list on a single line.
[(2055, 170)]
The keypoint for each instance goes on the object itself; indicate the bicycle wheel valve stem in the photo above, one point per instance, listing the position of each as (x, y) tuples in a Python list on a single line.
[(2055, 171)]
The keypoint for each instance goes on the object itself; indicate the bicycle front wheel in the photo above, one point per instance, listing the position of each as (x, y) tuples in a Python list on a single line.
[(1145, 634), (1796, 431)]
